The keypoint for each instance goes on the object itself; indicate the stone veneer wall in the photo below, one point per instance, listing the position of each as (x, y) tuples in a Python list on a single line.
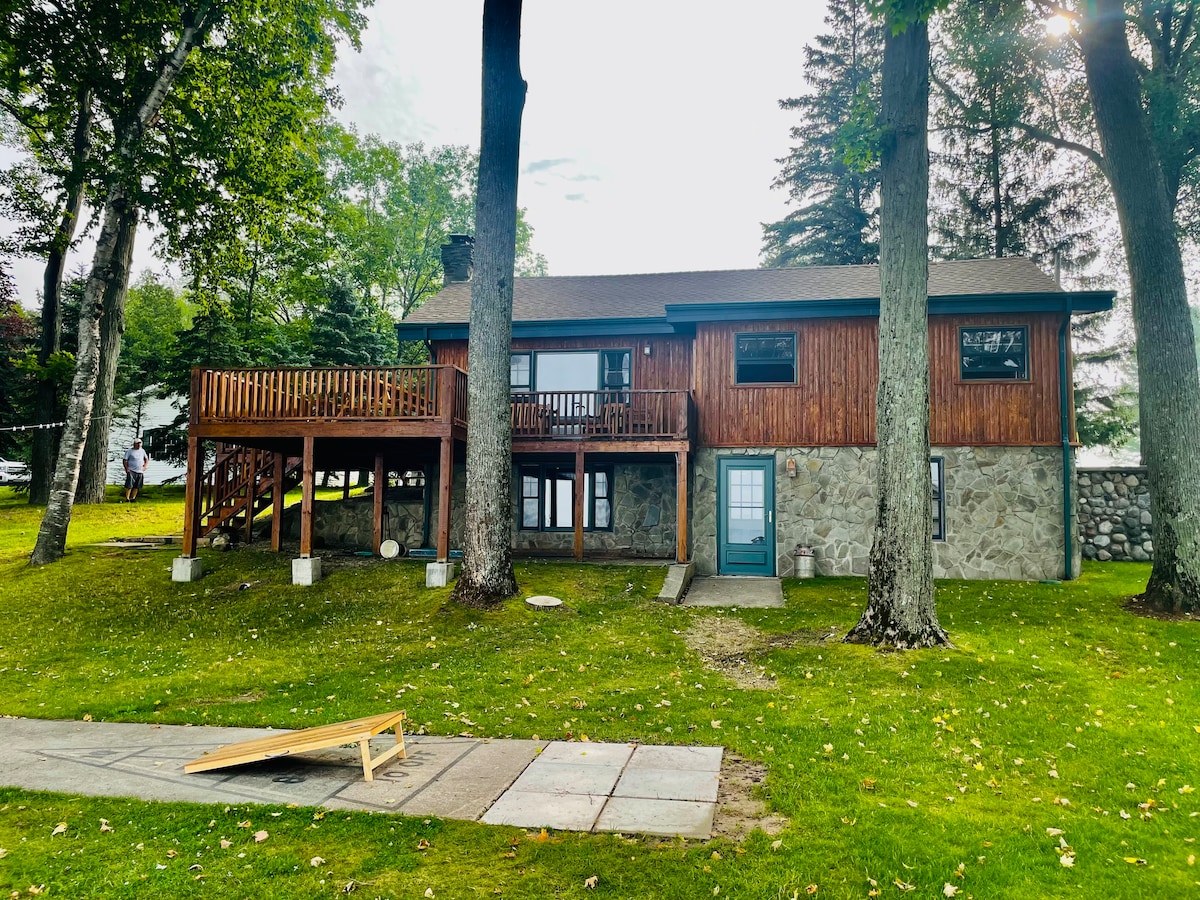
[(1114, 514), (643, 516), (348, 524), (1003, 510)]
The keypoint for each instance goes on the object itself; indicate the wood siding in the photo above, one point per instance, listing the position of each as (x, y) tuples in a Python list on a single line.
[(832, 403), (668, 367)]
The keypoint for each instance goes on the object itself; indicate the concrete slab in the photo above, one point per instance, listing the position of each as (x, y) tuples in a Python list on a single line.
[(530, 784), (668, 784), (587, 754), (567, 778), (691, 759), (567, 812), (742, 591), (662, 817)]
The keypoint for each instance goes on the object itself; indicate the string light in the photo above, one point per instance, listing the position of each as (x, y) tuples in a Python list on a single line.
[(45, 426)]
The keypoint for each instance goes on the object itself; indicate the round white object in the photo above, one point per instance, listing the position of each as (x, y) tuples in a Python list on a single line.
[(541, 601), (389, 549)]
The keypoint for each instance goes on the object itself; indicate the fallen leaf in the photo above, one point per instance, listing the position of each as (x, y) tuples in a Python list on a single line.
[(949, 890), (3, 853), (590, 883), (775, 845), (225, 845), (1134, 861), (715, 855), (260, 836), (422, 844), (1124, 815), (37, 889), (1067, 861), (171, 854), (428, 892), (87, 717), (912, 803), (245, 824), (1054, 832), (316, 862), (904, 885), (811, 889), (60, 828), (104, 826)]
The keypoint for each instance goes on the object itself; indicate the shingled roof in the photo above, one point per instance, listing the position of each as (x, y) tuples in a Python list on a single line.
[(590, 297)]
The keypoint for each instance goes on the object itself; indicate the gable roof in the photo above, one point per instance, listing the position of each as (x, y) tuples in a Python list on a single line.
[(679, 296)]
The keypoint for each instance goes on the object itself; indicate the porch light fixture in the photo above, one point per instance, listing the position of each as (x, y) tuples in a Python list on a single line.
[(646, 350), (791, 468)]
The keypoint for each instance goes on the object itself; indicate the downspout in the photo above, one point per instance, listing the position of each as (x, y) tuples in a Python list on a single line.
[(1064, 399)]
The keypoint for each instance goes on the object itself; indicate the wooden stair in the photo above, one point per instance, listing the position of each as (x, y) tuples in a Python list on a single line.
[(238, 487)]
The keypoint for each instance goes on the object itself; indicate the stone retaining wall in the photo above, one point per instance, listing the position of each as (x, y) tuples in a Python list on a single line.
[(1114, 514), (1003, 510)]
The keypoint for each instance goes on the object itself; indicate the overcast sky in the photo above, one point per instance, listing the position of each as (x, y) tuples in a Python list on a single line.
[(651, 129)]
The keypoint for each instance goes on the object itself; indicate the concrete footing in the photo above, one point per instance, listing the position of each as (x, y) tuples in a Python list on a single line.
[(186, 568), (679, 576), (306, 571), (439, 574)]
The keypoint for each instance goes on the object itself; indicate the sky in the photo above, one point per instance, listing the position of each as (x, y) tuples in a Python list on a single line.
[(651, 129)]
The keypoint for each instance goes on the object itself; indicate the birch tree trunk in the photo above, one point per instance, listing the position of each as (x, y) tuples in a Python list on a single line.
[(1169, 386), (93, 474), (52, 534), (487, 577), (900, 607), (45, 403)]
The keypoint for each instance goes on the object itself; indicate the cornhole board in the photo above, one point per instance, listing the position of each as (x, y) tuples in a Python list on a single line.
[(356, 731)]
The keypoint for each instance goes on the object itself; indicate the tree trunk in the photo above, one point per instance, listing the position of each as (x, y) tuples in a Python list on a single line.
[(93, 475), (900, 608), (45, 403), (52, 535), (487, 576), (1167, 375)]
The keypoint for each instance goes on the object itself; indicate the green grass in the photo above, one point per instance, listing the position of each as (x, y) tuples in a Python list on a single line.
[(889, 766)]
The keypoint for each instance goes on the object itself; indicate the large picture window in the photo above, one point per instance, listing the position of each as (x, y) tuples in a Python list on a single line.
[(937, 475), (764, 359), (571, 370), (548, 498), (993, 352)]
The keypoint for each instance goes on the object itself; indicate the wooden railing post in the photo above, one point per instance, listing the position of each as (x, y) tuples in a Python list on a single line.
[(446, 384), (195, 397)]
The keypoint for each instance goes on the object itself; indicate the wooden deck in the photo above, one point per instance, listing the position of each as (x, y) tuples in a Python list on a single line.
[(359, 413)]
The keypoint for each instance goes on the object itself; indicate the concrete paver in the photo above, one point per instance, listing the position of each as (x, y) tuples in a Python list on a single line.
[(742, 591), (663, 817), (531, 784)]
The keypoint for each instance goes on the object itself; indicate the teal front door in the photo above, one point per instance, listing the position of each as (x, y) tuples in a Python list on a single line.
[(746, 515)]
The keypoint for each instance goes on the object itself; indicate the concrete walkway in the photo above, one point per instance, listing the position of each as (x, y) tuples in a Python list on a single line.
[(742, 591), (531, 784)]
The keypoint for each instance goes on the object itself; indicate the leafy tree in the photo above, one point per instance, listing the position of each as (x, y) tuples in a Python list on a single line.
[(833, 188), (17, 334), (1132, 127), (900, 601), (154, 316), (279, 56), (487, 577)]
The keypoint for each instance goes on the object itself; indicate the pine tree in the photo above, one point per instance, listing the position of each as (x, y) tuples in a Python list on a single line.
[(834, 188)]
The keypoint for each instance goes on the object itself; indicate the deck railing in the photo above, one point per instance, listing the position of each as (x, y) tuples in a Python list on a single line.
[(619, 414), (431, 393), (343, 393)]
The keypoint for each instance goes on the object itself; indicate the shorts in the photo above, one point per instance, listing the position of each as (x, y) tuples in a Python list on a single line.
[(133, 481)]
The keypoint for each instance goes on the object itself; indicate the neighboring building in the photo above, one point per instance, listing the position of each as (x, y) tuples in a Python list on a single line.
[(725, 417)]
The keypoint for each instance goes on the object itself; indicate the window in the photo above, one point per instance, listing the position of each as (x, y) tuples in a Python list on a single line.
[(937, 473), (765, 359), (994, 352), (520, 372), (616, 369), (548, 498)]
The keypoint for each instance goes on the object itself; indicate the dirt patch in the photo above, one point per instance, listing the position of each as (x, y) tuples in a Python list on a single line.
[(739, 809), (1139, 607), (732, 647)]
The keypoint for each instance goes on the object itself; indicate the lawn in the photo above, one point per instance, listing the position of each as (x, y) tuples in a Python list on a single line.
[(1060, 729)]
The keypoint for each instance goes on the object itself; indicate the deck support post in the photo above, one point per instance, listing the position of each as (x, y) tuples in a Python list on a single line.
[(681, 506), (580, 499), (191, 500), (188, 567), (256, 458), (306, 504), (445, 485), (277, 503), (346, 485), (377, 493)]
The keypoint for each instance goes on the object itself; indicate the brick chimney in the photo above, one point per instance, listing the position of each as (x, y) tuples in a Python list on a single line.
[(457, 262)]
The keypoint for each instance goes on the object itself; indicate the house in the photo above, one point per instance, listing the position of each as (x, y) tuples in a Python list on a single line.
[(723, 417)]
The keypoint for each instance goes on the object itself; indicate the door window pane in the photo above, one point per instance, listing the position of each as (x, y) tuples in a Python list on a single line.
[(746, 510)]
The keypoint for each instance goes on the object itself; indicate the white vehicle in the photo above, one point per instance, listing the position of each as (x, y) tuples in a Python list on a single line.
[(13, 472)]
